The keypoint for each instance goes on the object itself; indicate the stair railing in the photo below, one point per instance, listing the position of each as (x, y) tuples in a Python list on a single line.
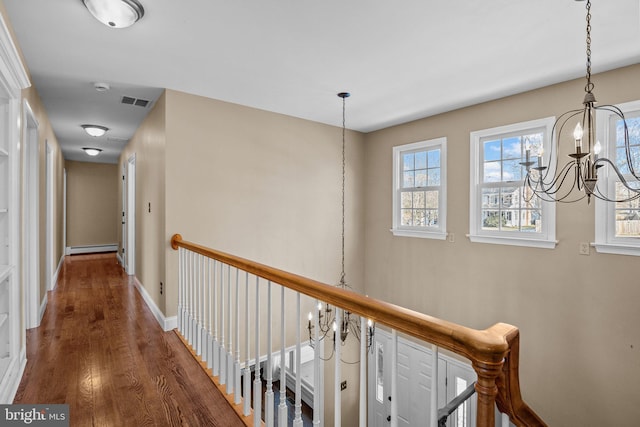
[(209, 320)]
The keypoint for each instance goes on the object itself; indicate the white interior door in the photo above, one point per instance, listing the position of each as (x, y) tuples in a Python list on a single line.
[(123, 218), (130, 253)]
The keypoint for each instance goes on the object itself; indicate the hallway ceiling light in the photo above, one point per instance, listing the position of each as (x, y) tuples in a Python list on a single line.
[(95, 130), (92, 151), (115, 13), (578, 178)]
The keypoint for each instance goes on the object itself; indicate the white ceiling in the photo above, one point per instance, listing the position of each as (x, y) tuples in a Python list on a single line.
[(401, 60)]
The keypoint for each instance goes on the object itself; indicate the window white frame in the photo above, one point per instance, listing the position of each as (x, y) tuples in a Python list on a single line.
[(438, 231), (546, 238), (605, 232)]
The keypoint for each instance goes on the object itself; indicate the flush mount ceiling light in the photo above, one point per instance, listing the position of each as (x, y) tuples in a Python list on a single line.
[(115, 13), (95, 130), (92, 151)]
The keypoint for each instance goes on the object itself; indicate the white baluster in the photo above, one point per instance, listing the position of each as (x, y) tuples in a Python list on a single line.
[(192, 319), (205, 311), (297, 420), (247, 368), (394, 378), (337, 342), (505, 420), (216, 345), (223, 354), (257, 385), (209, 284), (282, 407), (230, 343), (199, 305), (364, 339), (434, 385), (316, 367), (268, 396), (236, 368), (180, 288), (187, 308)]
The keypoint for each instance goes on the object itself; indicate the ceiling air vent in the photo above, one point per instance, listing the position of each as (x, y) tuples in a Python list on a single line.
[(135, 101)]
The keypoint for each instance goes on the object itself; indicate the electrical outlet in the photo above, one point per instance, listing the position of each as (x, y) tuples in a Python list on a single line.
[(451, 237), (584, 248), (343, 385)]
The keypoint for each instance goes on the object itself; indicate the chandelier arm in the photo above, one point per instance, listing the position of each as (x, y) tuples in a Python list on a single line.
[(623, 181), (627, 145)]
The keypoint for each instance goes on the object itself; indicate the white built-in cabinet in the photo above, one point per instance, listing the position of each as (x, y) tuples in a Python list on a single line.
[(13, 79)]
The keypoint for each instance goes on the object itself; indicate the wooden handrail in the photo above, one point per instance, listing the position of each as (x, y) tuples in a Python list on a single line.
[(493, 351)]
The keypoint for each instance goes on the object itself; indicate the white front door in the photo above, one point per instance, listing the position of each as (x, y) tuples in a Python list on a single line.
[(414, 367)]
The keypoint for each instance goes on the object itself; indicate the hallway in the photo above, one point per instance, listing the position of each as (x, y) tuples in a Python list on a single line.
[(100, 350)]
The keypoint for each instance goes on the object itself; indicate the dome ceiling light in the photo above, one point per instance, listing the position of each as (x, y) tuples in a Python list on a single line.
[(115, 13), (95, 130), (92, 151)]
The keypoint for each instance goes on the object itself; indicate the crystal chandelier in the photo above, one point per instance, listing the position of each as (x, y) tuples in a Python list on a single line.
[(578, 178), (326, 314)]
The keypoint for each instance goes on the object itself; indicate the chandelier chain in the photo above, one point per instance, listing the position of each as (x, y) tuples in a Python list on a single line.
[(589, 86), (342, 273)]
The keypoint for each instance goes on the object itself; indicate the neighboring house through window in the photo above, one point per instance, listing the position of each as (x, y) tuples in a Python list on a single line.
[(419, 189), (618, 223), (502, 209)]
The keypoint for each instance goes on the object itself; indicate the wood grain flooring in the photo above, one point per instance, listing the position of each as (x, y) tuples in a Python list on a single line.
[(100, 350)]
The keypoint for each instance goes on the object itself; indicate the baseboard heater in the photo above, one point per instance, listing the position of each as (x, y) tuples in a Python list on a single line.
[(90, 249)]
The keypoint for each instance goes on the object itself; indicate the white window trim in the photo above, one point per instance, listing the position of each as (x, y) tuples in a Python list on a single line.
[(605, 240), (547, 238), (440, 232)]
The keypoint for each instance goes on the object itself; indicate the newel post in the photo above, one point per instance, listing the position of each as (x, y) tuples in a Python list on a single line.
[(487, 390)]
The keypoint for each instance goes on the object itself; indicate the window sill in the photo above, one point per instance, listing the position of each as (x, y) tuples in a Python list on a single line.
[(513, 241), (617, 249), (436, 235)]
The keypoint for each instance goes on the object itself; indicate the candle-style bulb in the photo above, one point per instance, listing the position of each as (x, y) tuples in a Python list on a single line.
[(597, 148), (369, 322), (334, 326), (578, 132), (310, 317)]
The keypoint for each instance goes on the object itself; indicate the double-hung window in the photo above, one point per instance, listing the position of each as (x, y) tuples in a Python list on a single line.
[(419, 189), (618, 223), (502, 209)]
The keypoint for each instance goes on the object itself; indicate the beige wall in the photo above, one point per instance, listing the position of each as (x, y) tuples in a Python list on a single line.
[(148, 148), (265, 187), (92, 203), (578, 315)]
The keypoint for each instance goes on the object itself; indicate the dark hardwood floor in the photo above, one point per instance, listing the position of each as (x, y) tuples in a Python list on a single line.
[(100, 350)]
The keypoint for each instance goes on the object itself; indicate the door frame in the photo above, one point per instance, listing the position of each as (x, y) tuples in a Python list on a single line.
[(31, 249), (49, 248)]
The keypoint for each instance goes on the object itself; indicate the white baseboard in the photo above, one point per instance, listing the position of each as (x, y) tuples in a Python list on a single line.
[(166, 323), (43, 307), (89, 249), (120, 260), (54, 279)]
